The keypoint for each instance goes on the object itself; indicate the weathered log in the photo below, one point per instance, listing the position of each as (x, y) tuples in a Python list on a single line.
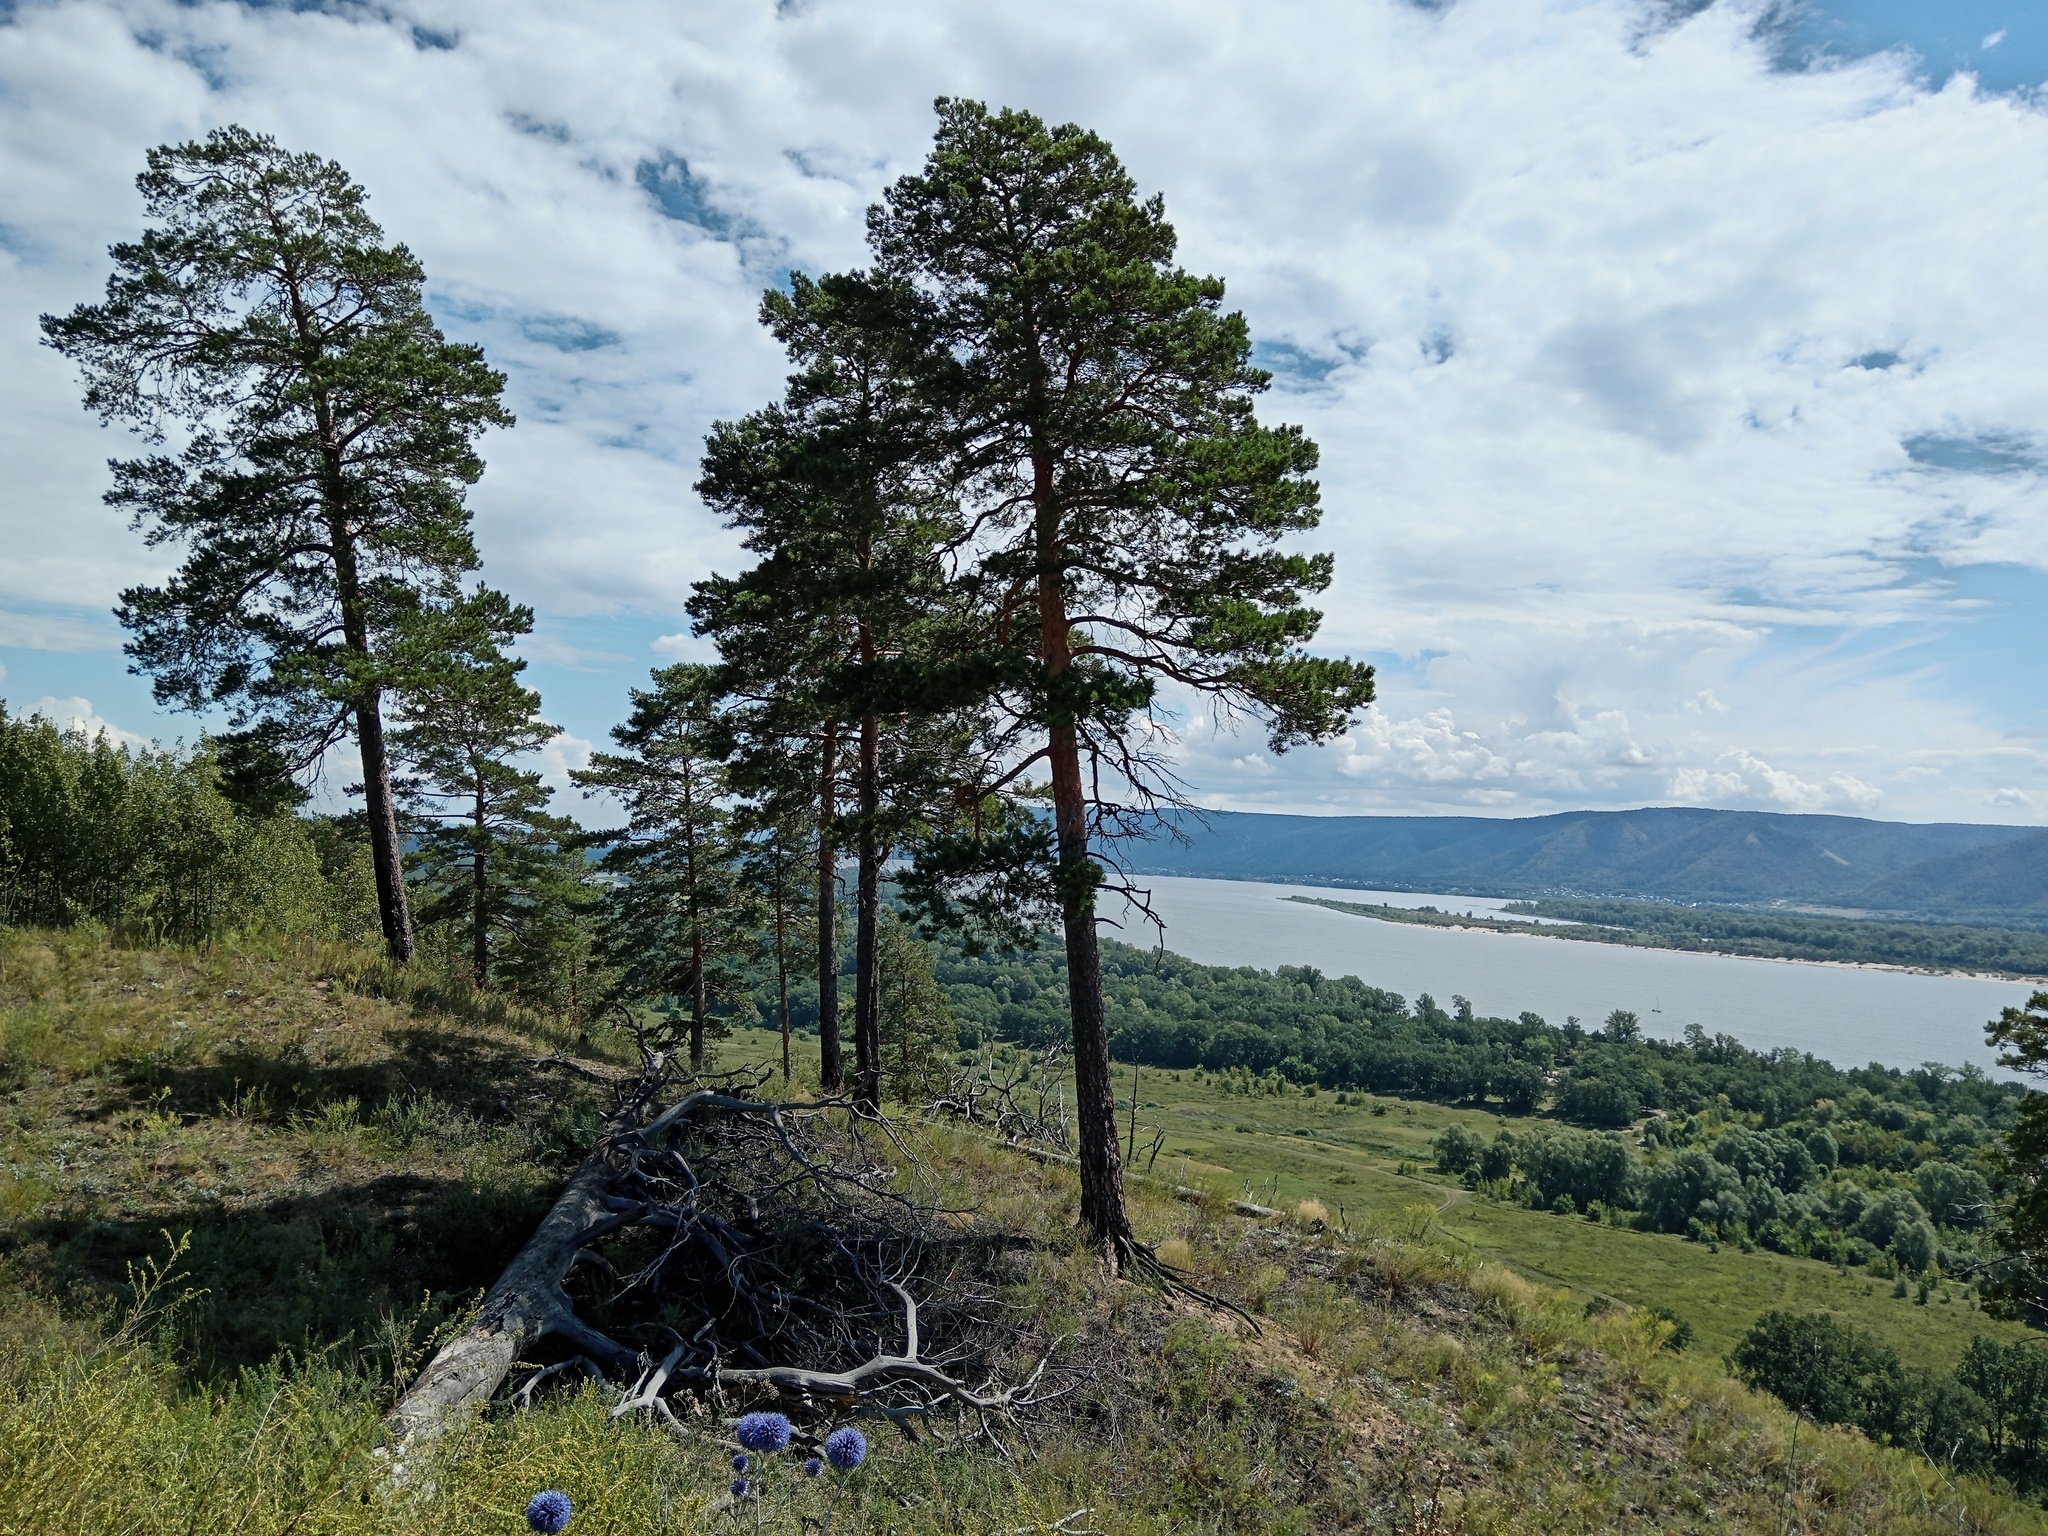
[(527, 1304)]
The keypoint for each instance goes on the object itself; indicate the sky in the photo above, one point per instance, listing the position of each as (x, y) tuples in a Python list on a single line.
[(1680, 370)]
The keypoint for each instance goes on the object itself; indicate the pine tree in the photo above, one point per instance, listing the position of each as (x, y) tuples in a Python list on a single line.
[(681, 921), (329, 437), (1126, 508), (490, 857), (2020, 1283), (779, 841), (837, 489), (918, 1029)]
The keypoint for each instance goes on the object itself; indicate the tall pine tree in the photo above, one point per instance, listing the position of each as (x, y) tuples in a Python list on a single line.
[(838, 487), (490, 857), (329, 437), (682, 921), (1126, 507)]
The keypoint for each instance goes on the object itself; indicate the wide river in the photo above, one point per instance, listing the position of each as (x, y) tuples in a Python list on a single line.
[(1845, 1014)]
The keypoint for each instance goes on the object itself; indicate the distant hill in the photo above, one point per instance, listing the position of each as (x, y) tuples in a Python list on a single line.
[(2006, 882), (1672, 853)]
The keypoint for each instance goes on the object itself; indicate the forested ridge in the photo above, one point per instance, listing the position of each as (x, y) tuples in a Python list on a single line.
[(1964, 872)]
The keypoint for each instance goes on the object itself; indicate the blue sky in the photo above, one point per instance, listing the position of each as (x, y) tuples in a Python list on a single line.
[(1678, 369), (2004, 44)]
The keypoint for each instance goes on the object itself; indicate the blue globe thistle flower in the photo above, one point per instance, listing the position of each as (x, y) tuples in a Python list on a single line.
[(739, 1488), (846, 1448), (813, 1467), (764, 1432), (739, 1462), (548, 1512)]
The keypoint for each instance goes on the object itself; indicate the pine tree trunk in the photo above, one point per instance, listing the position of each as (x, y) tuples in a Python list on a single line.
[(1103, 1216), (386, 858), (867, 967), (480, 946), (831, 1072), (782, 951), (699, 998)]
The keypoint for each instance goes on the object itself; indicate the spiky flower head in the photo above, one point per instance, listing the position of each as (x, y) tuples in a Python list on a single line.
[(813, 1467), (739, 1487), (846, 1448), (548, 1512), (764, 1432), (739, 1462)]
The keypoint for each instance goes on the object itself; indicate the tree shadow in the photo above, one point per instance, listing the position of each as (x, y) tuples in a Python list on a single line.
[(479, 1077), (350, 1265)]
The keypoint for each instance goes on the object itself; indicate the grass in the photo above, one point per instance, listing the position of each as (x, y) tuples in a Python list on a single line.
[(353, 1160), (1348, 1156)]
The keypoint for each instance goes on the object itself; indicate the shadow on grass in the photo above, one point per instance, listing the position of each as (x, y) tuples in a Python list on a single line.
[(351, 1265), (474, 1076)]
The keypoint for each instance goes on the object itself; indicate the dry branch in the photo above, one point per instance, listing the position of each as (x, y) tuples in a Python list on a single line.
[(778, 1238)]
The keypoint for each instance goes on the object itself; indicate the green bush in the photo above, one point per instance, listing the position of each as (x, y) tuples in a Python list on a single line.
[(146, 842)]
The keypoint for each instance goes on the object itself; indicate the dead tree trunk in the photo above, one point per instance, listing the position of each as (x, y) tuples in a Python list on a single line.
[(527, 1304), (640, 1177)]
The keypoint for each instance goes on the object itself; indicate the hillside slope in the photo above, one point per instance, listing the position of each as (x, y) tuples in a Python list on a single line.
[(1673, 853), (352, 1159), (2006, 882)]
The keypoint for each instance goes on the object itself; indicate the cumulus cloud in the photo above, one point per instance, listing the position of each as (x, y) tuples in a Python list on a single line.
[(54, 632), (1652, 376), (1743, 778), (77, 714)]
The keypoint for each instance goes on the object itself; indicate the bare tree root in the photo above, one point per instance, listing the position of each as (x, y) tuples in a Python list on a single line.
[(1139, 1262), (754, 1249)]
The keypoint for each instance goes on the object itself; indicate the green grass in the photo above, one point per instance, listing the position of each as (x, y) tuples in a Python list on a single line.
[(355, 1153), (1283, 1150), (1351, 1157)]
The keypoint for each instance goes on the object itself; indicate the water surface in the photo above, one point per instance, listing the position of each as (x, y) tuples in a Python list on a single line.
[(1845, 1014)]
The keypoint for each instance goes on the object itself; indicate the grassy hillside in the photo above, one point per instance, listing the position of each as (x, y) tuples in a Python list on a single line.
[(1370, 1161), (354, 1155)]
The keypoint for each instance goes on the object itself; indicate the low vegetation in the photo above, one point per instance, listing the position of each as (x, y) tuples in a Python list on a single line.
[(331, 1141)]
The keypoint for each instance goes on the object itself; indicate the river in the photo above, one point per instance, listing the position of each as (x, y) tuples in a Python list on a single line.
[(1849, 1015)]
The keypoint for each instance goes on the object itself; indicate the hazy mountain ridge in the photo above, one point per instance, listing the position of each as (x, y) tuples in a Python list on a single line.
[(1668, 853)]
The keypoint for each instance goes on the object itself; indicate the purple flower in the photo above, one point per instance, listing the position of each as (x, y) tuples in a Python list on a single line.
[(846, 1448), (739, 1487), (813, 1467), (764, 1432), (739, 1462), (548, 1512)]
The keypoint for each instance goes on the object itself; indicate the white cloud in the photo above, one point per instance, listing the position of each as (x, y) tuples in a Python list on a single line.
[(50, 632), (543, 645), (1614, 337), (1743, 778), (683, 646), (2010, 797), (77, 714)]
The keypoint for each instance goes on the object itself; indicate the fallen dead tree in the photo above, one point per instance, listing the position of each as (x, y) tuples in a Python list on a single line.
[(734, 1245)]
